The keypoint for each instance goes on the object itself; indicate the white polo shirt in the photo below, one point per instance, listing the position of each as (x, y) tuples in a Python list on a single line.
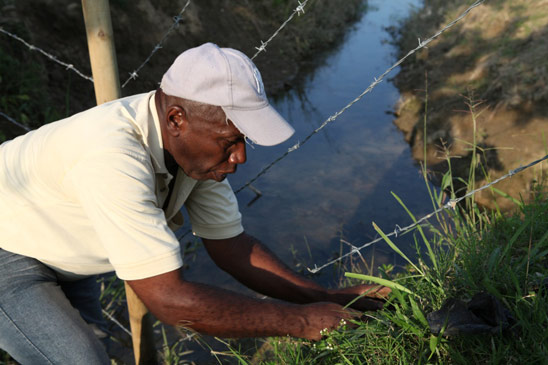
[(84, 195)]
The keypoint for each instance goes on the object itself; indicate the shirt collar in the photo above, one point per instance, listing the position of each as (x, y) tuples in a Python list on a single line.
[(154, 138)]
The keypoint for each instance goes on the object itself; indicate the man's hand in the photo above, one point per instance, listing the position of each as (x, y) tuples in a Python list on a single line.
[(329, 316), (324, 316), (374, 296)]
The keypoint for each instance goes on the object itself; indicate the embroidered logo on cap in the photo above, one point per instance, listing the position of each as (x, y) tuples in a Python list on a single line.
[(258, 81)]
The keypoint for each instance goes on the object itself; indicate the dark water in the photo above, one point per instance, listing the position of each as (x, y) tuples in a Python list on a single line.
[(339, 182)]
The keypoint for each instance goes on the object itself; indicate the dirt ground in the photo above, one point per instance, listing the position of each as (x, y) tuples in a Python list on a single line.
[(483, 83)]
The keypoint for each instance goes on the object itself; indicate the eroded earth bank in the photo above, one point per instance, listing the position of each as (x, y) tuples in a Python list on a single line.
[(482, 83)]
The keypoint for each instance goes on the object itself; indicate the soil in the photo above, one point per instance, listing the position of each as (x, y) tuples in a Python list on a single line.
[(482, 83)]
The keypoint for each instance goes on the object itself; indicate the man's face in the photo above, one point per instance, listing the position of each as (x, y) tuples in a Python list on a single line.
[(209, 149)]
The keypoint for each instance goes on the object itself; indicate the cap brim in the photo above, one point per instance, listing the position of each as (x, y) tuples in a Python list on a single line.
[(263, 126)]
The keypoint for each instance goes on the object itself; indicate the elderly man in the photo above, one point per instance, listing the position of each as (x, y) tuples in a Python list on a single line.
[(102, 191)]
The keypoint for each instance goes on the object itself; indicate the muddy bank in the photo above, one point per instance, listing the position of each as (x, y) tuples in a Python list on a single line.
[(483, 83), (34, 90)]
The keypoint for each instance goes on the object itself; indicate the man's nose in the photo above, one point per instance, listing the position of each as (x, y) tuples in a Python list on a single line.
[(238, 155)]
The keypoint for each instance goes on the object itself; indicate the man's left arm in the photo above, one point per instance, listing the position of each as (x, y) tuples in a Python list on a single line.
[(254, 265)]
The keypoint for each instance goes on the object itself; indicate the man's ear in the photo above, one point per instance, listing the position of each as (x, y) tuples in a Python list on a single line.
[(176, 120)]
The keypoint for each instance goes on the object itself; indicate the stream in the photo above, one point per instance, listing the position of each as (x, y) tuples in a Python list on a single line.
[(331, 189)]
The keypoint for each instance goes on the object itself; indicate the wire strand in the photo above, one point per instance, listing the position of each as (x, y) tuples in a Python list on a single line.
[(10, 119), (451, 204), (176, 21), (48, 55), (115, 321), (297, 11)]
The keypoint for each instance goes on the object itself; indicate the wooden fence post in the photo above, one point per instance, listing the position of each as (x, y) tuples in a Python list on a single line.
[(102, 53), (104, 68)]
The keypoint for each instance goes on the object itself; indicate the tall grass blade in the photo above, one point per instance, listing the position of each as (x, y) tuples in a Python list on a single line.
[(507, 196), (433, 345), (514, 238), (543, 238), (374, 279), (395, 248), (401, 299), (417, 312), (421, 231)]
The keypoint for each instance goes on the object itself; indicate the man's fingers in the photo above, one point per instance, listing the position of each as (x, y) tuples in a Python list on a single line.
[(369, 304), (368, 290), (351, 313), (376, 291)]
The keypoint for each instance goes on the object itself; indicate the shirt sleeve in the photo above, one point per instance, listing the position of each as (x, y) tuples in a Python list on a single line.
[(213, 210), (116, 190)]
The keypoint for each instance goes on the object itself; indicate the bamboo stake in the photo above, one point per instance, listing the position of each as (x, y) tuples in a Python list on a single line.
[(102, 53), (104, 67), (142, 336)]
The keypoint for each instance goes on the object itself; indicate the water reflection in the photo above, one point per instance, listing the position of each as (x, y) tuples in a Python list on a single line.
[(341, 180)]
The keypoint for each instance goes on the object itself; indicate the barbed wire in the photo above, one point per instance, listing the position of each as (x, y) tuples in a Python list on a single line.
[(116, 322), (176, 21), (10, 119), (451, 204), (376, 81), (31, 47), (298, 10)]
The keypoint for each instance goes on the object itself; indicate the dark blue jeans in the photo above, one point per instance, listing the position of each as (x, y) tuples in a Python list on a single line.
[(42, 317)]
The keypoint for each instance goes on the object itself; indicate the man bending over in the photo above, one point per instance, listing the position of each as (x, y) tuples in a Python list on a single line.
[(102, 191)]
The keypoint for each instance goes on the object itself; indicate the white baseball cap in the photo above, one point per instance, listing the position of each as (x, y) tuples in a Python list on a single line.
[(227, 78)]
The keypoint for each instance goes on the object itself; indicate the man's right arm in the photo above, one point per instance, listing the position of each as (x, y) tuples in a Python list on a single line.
[(223, 313)]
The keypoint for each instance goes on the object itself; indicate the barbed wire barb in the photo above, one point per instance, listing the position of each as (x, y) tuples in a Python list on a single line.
[(298, 10), (359, 97), (31, 47), (176, 21), (451, 204)]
